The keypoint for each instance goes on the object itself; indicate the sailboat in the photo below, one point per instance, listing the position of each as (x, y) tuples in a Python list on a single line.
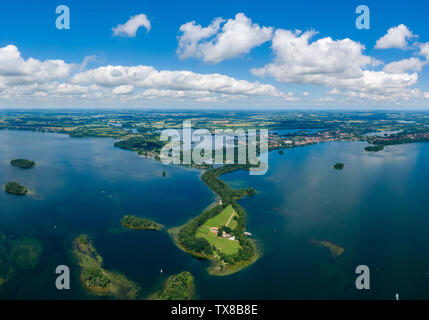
[(397, 296)]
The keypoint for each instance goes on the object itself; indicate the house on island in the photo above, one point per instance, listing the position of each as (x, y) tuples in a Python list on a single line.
[(214, 230), (225, 235)]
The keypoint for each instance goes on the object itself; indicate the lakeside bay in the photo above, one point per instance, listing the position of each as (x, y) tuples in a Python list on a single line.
[(374, 209)]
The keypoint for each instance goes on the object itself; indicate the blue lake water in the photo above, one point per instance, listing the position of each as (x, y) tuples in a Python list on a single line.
[(376, 209)]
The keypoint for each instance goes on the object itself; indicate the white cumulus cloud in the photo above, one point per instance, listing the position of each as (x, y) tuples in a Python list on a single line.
[(396, 37), (150, 78), (38, 82), (221, 40), (15, 70), (424, 50), (320, 62), (338, 64), (129, 28), (404, 65)]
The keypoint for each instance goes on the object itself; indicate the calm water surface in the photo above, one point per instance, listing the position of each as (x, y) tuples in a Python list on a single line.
[(376, 208)]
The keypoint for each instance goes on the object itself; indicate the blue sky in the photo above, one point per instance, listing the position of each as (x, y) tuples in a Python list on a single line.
[(215, 73)]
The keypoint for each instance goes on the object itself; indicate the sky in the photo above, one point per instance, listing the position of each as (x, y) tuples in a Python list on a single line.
[(214, 54)]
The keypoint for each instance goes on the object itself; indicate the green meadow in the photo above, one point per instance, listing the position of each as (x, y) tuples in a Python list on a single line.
[(225, 218)]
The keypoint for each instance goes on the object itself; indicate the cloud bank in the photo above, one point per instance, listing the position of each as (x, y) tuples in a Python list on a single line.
[(340, 65), (56, 79), (299, 58)]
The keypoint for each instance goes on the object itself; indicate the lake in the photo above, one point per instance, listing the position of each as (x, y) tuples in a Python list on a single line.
[(375, 208)]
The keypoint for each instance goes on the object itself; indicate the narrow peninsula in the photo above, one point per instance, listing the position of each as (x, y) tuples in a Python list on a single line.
[(218, 233)]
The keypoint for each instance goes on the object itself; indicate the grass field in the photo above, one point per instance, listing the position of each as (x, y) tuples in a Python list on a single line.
[(226, 217)]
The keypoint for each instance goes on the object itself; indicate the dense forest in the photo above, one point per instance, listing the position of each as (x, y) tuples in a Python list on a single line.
[(94, 277), (221, 188), (179, 287)]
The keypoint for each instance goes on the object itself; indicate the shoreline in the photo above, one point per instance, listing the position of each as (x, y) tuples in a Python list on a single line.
[(214, 268), (211, 270)]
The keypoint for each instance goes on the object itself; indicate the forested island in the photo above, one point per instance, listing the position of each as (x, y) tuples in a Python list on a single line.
[(178, 287), (339, 166), (95, 279), (23, 163), (229, 250), (137, 223), (375, 148), (15, 188)]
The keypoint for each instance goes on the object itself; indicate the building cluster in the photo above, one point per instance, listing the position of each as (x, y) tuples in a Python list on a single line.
[(400, 138), (225, 235), (289, 141)]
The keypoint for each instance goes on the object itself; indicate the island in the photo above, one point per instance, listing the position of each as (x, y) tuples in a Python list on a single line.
[(95, 279), (17, 253), (177, 287), (375, 148), (23, 163), (218, 233), (339, 166), (334, 249), (15, 188), (137, 223), (145, 146)]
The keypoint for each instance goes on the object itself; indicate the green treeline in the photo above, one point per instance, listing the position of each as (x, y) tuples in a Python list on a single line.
[(187, 234), (179, 287), (221, 188), (15, 188), (375, 148), (95, 278), (137, 223), (247, 249), (142, 145), (22, 163), (339, 166)]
